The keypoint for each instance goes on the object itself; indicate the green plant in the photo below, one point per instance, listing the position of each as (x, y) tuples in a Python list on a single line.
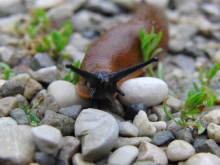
[(72, 76), (6, 68), (148, 45)]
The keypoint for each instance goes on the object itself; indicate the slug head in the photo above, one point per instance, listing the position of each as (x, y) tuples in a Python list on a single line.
[(102, 85)]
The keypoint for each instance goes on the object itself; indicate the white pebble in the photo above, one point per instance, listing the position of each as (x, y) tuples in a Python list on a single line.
[(203, 159), (78, 160), (7, 121), (47, 4), (128, 129), (160, 125), (143, 90), (213, 116), (213, 131)]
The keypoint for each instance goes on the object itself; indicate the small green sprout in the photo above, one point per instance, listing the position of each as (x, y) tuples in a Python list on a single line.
[(72, 76), (6, 68), (34, 120)]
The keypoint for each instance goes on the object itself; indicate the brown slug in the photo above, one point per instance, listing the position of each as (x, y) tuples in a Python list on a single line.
[(116, 56)]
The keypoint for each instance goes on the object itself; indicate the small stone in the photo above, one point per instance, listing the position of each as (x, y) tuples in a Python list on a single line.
[(32, 88), (11, 88), (11, 7), (148, 151), (41, 60), (213, 131), (176, 45), (47, 75), (44, 159), (65, 94), (72, 111), (47, 4), (184, 134), (135, 141), (63, 123), (7, 104), (19, 116), (133, 110), (127, 129), (145, 163), (7, 56), (2, 83), (216, 57), (203, 159), (22, 101), (143, 124), (78, 41), (124, 155), (159, 111), (6, 121), (184, 62), (47, 138), (145, 92), (160, 125), (175, 150), (174, 103), (78, 160), (163, 137), (69, 148), (103, 160), (17, 145), (204, 145), (39, 97), (22, 78), (173, 127), (97, 131), (213, 116), (152, 117)]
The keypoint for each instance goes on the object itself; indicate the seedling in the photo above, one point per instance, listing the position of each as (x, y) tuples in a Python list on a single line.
[(6, 69), (72, 76)]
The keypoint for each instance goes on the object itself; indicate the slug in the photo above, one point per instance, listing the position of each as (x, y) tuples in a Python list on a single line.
[(116, 56)]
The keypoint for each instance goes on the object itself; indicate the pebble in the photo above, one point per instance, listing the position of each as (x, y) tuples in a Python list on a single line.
[(47, 75), (78, 160), (7, 55), (64, 123), (159, 125), (133, 110), (213, 131), (7, 104), (78, 41), (22, 78), (152, 117), (32, 88), (41, 60), (173, 127), (129, 5), (97, 131), (184, 62), (2, 83), (47, 138), (150, 152), (203, 159), (159, 111), (144, 163), (163, 137), (134, 141), (175, 150), (174, 103), (185, 134), (22, 101), (123, 155), (11, 7), (65, 94), (69, 148), (128, 129), (11, 88), (145, 92), (17, 145), (47, 4), (144, 125), (216, 57), (213, 116), (72, 111), (6, 121), (19, 116), (44, 159)]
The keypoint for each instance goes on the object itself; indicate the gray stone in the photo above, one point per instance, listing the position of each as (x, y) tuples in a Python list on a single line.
[(163, 137), (202, 158), (77, 159), (17, 145), (47, 138), (41, 60), (144, 163), (103, 160), (159, 125), (128, 129), (176, 45), (6, 121), (72, 111), (133, 110), (134, 141), (152, 117), (184, 62), (173, 127), (47, 75), (145, 92), (97, 131), (184, 134), (22, 78), (159, 111), (207, 145), (38, 98), (78, 41), (11, 7), (44, 159), (32, 88), (63, 123), (22, 101), (11, 88), (7, 56), (19, 116), (47, 4), (213, 131), (69, 148), (174, 103), (7, 104)]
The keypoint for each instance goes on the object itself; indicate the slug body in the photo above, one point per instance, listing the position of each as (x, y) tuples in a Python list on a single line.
[(118, 49)]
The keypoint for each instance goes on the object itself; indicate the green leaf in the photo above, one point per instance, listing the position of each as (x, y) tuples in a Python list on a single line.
[(201, 129), (192, 111), (213, 71), (167, 112), (201, 75), (146, 40), (155, 52), (6, 68), (160, 71), (32, 31), (34, 121), (156, 40), (195, 100), (211, 96), (197, 90)]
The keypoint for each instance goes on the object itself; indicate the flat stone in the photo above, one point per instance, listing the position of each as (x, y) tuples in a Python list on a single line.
[(213, 116), (19, 116), (150, 152), (22, 78), (203, 159), (97, 131), (184, 134), (7, 121), (213, 131), (163, 137), (64, 123), (175, 150), (17, 145), (184, 62), (159, 111), (44, 159), (7, 55), (124, 155), (174, 103), (145, 92), (133, 110), (47, 138), (127, 129), (32, 88), (7, 104), (144, 125), (134, 141), (72, 111), (11, 88), (65, 94), (78, 160)]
